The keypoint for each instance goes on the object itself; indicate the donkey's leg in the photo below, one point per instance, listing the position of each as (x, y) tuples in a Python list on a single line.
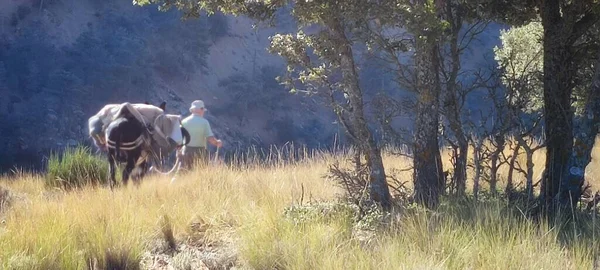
[(128, 169), (144, 167), (111, 169), (137, 177)]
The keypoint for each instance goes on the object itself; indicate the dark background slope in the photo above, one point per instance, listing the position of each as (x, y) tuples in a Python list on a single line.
[(62, 60)]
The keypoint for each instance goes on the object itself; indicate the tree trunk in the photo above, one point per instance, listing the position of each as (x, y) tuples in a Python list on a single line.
[(558, 76), (573, 178), (357, 155), (509, 179), (460, 168), (363, 137), (529, 164), (455, 123), (499, 144), (452, 101), (493, 173), (459, 178), (478, 168), (529, 161), (427, 162)]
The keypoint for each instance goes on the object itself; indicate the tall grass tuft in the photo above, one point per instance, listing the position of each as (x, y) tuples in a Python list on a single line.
[(75, 168), (5, 199), (167, 230), (120, 259)]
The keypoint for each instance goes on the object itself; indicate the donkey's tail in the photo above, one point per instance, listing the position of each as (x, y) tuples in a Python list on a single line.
[(118, 147)]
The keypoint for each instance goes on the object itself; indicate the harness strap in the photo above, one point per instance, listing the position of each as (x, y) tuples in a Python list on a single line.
[(128, 145)]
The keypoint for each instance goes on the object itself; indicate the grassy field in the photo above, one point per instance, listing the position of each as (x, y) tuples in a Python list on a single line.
[(286, 216)]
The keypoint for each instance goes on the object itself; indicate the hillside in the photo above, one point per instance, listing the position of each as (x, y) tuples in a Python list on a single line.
[(62, 60)]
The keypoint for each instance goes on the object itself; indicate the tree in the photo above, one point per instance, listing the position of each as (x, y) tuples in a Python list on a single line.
[(564, 23), (561, 31), (520, 71), (464, 26), (522, 60), (391, 30), (571, 187), (428, 171), (333, 47), (438, 32)]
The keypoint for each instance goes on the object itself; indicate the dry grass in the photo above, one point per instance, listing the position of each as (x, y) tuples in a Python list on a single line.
[(69, 230), (396, 163), (240, 211)]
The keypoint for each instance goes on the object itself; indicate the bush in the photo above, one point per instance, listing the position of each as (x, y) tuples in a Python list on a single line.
[(75, 168)]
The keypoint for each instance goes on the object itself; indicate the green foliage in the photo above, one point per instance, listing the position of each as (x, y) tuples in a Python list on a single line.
[(76, 168), (366, 217), (193, 9), (294, 49), (512, 12), (521, 60), (521, 48), (319, 212)]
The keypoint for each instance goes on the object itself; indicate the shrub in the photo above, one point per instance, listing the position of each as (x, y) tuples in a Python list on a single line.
[(75, 168)]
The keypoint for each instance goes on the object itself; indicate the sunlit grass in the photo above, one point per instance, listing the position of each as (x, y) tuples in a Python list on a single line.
[(245, 207), (75, 168)]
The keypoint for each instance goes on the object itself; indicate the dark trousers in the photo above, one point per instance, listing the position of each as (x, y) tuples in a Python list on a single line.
[(193, 156)]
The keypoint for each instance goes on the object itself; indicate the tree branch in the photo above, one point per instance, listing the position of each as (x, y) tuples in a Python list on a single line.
[(583, 25)]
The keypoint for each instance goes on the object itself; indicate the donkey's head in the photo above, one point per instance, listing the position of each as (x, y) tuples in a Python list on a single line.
[(168, 126)]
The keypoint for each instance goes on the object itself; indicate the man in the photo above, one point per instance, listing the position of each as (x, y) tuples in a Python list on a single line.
[(200, 134)]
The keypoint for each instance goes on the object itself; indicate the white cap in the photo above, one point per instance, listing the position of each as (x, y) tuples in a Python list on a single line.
[(197, 104)]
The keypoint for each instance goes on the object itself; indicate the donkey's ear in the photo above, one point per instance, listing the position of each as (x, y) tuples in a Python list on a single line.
[(163, 105)]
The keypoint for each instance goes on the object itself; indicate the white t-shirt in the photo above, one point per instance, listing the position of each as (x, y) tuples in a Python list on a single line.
[(199, 130)]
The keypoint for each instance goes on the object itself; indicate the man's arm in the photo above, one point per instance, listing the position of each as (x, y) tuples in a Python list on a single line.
[(210, 136), (212, 140)]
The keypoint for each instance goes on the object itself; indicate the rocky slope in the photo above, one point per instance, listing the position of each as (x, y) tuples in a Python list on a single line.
[(61, 61)]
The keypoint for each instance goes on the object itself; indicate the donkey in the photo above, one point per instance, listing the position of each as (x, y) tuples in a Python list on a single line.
[(98, 122), (129, 141)]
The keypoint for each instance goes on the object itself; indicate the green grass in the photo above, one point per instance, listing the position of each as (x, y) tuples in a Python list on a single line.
[(488, 235), (75, 168)]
